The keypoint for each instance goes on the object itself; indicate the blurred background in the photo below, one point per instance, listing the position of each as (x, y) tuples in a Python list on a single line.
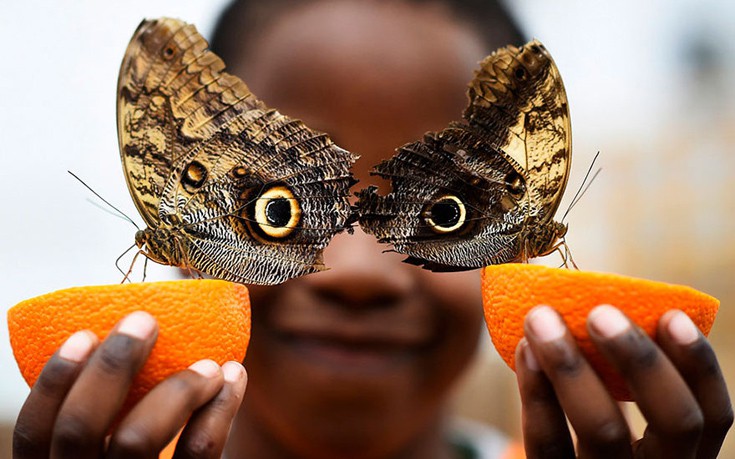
[(650, 87)]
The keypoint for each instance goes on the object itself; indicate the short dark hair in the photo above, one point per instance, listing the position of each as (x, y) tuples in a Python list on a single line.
[(490, 19)]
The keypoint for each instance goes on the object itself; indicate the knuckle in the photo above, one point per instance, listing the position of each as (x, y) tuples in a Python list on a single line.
[(642, 353), (185, 388), (72, 434), (131, 442), (54, 379), (705, 359), (610, 432), (200, 444), (566, 360), (688, 426), (646, 357), (116, 354), (181, 384), (221, 405)]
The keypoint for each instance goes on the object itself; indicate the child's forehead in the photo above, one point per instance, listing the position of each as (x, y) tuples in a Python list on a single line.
[(356, 13), (372, 75), (347, 59), (341, 26)]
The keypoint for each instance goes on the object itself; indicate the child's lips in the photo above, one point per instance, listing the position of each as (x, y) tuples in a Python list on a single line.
[(353, 348), (352, 338), (401, 325), (345, 354), (359, 338)]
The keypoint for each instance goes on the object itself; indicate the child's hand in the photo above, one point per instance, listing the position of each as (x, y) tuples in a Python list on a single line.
[(78, 395), (677, 384)]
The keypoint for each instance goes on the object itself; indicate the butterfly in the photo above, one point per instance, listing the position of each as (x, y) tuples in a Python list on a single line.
[(485, 189), (226, 185)]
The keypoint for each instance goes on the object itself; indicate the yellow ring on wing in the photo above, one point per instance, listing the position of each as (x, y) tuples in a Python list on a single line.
[(277, 212), (461, 215)]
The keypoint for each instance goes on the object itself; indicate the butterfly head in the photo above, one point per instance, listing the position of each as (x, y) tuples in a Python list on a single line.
[(544, 239)]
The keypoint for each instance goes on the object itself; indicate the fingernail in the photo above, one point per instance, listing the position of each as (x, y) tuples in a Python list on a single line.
[(545, 324), (528, 357), (77, 347), (682, 328), (207, 368), (233, 371), (138, 324), (608, 321)]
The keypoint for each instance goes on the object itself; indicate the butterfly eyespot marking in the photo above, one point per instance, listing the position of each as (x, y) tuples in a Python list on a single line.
[(446, 214), (515, 185), (277, 212), (168, 53), (240, 172), (245, 180), (194, 176)]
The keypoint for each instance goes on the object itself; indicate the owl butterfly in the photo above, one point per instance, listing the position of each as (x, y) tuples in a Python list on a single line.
[(226, 185), (485, 189)]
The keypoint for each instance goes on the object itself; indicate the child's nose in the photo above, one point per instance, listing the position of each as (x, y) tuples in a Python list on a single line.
[(360, 274)]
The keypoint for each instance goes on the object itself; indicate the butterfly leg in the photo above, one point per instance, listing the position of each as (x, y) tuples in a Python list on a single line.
[(192, 273), (565, 254), (145, 268), (523, 257), (132, 263), (186, 265), (117, 261), (568, 252)]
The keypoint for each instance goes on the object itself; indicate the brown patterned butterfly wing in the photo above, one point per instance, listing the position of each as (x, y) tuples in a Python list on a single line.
[(485, 189), (226, 185)]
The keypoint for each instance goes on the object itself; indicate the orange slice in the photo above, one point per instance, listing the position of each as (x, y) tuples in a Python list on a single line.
[(511, 290), (197, 319)]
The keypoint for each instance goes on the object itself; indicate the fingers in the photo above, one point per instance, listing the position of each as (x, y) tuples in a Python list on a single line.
[(695, 360), (156, 419), (601, 429), (211, 393), (35, 424), (545, 432), (678, 387), (82, 387), (100, 389), (206, 432), (674, 418)]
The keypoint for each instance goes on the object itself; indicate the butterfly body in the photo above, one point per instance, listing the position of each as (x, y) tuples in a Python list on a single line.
[(166, 246), (226, 185), (485, 189)]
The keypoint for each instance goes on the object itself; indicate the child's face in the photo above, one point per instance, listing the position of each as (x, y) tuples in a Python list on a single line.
[(369, 348)]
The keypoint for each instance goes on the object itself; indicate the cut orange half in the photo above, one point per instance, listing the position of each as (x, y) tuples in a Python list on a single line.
[(511, 290), (198, 319)]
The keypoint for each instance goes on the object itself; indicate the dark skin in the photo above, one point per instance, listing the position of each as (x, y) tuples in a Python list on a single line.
[(358, 361), (675, 381)]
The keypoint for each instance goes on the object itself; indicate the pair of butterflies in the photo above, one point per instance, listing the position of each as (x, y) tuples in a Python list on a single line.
[(234, 189)]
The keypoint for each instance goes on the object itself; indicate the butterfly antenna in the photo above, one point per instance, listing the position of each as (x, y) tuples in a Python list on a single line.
[(119, 212), (584, 186)]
